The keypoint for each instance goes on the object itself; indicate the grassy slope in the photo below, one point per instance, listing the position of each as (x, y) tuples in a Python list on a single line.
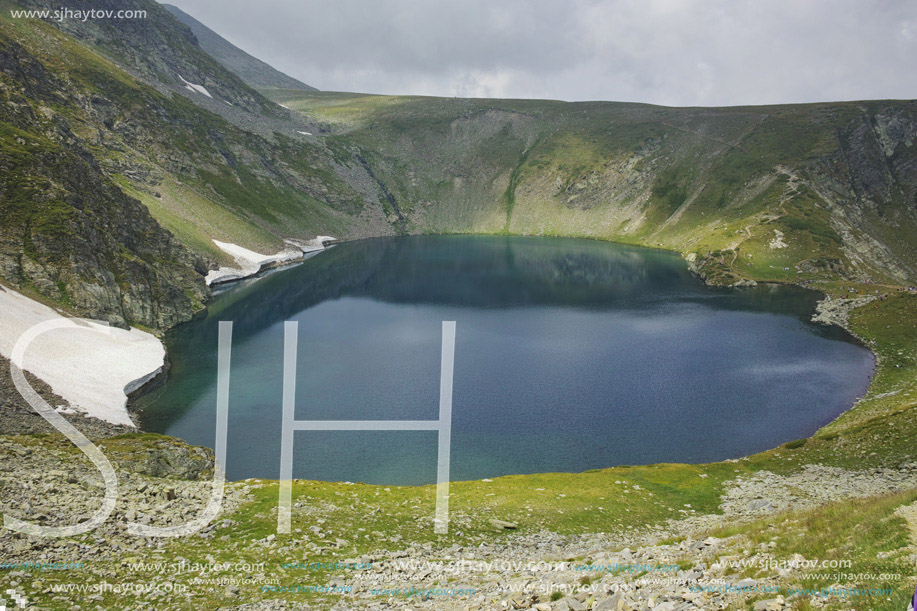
[(695, 180), (866, 530), (214, 180)]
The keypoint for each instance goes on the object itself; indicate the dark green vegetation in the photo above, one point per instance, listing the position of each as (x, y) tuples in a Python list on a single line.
[(95, 121), (836, 181), (74, 127), (67, 232)]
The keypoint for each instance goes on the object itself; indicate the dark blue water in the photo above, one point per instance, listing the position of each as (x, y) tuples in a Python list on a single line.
[(570, 355)]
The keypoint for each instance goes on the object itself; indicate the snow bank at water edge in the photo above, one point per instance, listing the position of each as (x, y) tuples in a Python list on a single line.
[(250, 262), (93, 370)]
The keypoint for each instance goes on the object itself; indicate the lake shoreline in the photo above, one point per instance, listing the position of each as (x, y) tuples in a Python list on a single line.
[(853, 338), (162, 376)]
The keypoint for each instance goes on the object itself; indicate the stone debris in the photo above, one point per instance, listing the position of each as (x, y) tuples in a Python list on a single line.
[(631, 570)]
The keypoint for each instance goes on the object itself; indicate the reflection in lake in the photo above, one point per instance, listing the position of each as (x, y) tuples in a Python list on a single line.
[(570, 355)]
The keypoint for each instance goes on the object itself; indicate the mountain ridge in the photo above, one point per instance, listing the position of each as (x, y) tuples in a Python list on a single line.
[(115, 177), (250, 69), (789, 193)]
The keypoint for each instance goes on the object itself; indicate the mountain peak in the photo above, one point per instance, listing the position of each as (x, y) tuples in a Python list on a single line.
[(253, 71)]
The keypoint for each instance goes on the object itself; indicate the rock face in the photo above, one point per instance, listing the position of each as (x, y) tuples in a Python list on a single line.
[(837, 311), (81, 134), (869, 183), (93, 249), (66, 231), (159, 49)]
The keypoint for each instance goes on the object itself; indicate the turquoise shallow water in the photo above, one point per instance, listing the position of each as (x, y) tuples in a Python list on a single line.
[(570, 355)]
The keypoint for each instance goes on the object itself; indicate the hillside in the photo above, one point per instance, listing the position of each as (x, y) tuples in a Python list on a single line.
[(252, 70), (91, 148), (126, 148), (790, 193), (838, 182)]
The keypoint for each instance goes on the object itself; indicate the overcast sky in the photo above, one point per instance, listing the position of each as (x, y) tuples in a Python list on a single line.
[(673, 52)]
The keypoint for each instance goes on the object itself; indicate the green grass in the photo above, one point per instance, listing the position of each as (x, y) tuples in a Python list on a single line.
[(877, 432), (197, 220), (703, 181), (245, 189), (866, 532), (30, 199)]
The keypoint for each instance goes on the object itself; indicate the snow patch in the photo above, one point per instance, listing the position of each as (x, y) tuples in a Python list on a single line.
[(94, 372), (249, 262), (192, 87)]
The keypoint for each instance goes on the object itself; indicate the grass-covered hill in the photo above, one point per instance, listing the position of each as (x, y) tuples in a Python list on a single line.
[(116, 174), (98, 134), (800, 192), (838, 182)]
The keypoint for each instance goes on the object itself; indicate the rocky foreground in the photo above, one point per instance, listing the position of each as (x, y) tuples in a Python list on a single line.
[(697, 561), (674, 567), (627, 571)]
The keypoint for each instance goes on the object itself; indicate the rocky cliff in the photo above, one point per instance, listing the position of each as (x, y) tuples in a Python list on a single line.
[(101, 114), (68, 233), (250, 69), (116, 175), (837, 181)]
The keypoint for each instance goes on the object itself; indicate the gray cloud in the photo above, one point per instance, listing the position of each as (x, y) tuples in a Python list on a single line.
[(675, 52)]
